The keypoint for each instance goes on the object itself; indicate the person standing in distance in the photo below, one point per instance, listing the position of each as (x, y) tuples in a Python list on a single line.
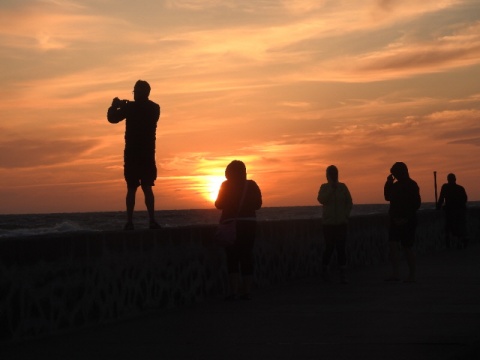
[(403, 194), (455, 199), (141, 117), (337, 205)]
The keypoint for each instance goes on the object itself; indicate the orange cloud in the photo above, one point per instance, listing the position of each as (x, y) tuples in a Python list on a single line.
[(34, 152), (289, 87)]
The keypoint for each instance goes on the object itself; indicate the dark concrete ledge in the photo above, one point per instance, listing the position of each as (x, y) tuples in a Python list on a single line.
[(53, 283)]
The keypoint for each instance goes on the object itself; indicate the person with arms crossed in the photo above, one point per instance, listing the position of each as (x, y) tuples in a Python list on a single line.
[(455, 198), (337, 205)]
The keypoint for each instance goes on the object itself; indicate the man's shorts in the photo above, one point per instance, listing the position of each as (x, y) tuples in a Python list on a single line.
[(140, 172), (403, 231)]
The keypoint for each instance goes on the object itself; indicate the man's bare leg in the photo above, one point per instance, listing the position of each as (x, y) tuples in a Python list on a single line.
[(150, 204), (130, 202)]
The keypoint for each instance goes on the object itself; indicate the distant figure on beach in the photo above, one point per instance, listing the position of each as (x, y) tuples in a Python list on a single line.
[(141, 117), (453, 199), (404, 196), (337, 205), (240, 264)]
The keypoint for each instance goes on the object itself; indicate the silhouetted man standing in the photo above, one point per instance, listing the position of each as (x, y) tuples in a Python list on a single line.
[(455, 198), (141, 117)]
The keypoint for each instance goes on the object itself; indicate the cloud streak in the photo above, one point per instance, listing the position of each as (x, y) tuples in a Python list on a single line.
[(28, 153)]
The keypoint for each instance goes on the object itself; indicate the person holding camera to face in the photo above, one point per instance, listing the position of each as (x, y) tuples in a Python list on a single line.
[(141, 117), (403, 194)]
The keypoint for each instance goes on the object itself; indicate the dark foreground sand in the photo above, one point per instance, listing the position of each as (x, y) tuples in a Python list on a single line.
[(436, 318)]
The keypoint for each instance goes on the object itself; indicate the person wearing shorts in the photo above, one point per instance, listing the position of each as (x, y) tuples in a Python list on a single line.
[(140, 170), (403, 194)]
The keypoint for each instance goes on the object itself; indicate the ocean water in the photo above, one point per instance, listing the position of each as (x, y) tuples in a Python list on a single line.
[(38, 224)]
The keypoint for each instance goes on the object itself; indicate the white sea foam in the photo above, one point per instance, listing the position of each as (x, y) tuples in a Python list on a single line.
[(62, 227)]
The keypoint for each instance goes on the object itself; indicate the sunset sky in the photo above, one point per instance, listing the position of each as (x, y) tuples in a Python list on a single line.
[(287, 86)]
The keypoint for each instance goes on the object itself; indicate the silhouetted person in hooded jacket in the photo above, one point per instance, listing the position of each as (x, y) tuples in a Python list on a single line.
[(455, 199), (404, 196), (337, 205), (141, 117), (240, 264)]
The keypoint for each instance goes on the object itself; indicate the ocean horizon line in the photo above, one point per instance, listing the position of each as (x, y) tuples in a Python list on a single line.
[(424, 204), (21, 225)]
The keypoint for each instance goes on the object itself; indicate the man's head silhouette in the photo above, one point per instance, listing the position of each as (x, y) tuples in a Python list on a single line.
[(141, 90), (451, 178)]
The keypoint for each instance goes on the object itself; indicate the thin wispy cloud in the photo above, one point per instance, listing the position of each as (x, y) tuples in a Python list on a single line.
[(33, 153)]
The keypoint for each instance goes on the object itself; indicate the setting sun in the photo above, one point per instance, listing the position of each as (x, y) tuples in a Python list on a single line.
[(212, 186), (287, 87)]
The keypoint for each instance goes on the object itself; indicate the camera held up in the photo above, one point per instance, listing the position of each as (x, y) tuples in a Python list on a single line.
[(118, 103)]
